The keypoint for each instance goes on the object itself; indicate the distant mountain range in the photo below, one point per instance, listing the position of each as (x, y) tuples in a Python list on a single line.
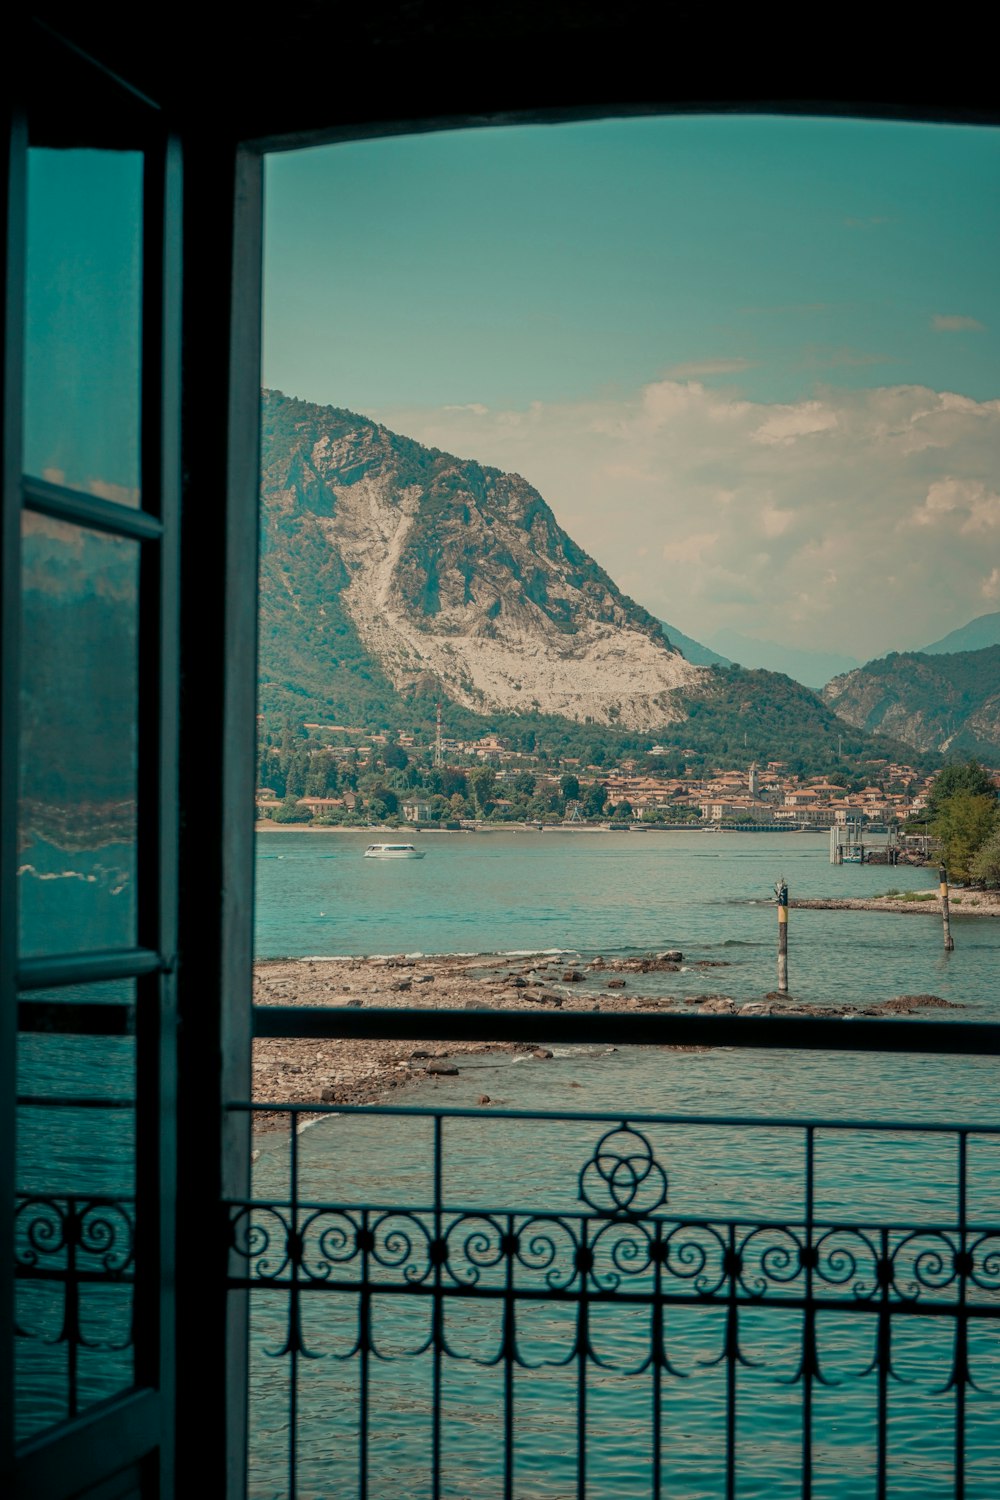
[(394, 575), (816, 668), (948, 703), (981, 632), (693, 651), (813, 668)]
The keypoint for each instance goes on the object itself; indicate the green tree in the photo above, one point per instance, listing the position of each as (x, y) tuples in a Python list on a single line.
[(970, 777), (985, 865), (570, 788), (298, 770), (964, 824), (289, 811), (386, 798), (594, 799), (482, 785)]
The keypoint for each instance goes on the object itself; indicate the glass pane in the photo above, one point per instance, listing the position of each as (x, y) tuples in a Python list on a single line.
[(78, 739), (83, 320), (75, 1214)]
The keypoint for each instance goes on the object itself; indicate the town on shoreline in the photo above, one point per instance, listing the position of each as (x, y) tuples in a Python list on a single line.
[(335, 776)]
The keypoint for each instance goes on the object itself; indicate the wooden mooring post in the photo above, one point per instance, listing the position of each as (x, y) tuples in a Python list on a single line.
[(949, 941), (781, 892)]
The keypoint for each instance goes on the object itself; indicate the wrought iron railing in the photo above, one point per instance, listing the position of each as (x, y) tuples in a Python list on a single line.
[(630, 1317), (74, 1264)]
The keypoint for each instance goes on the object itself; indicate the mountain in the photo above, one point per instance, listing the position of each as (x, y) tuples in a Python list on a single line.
[(452, 575), (946, 703), (813, 668), (394, 576), (981, 632), (693, 651)]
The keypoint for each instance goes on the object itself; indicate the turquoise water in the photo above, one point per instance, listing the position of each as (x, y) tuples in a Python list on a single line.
[(617, 894), (706, 894), (577, 893)]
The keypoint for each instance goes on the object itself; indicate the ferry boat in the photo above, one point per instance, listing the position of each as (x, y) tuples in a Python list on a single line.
[(393, 851)]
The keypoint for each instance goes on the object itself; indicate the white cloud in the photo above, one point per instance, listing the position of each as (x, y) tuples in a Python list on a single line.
[(855, 516), (476, 407), (784, 424), (964, 503), (990, 587), (955, 323)]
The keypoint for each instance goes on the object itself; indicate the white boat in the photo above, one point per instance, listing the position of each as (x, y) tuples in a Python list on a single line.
[(393, 851)]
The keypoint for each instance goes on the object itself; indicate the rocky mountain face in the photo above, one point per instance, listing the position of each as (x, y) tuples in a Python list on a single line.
[(949, 703), (448, 576)]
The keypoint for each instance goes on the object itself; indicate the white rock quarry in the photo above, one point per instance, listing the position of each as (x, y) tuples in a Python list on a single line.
[(516, 658)]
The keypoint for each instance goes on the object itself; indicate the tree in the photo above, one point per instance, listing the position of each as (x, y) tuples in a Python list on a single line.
[(971, 778), (964, 825), (570, 788), (985, 865), (482, 785), (396, 757), (594, 800), (295, 784)]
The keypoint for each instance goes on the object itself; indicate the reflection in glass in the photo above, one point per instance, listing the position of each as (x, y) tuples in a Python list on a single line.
[(76, 859), (75, 1216), (83, 320)]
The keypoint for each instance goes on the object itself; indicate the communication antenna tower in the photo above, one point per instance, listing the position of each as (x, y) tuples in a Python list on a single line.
[(437, 738)]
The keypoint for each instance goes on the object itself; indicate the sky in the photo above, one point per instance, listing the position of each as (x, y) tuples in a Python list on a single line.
[(753, 364)]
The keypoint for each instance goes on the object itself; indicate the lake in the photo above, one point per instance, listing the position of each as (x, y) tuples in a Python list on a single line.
[(617, 894)]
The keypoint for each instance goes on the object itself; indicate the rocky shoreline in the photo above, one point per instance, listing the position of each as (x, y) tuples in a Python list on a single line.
[(373, 1071), (965, 903)]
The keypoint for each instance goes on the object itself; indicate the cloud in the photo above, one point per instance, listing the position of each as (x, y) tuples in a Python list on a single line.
[(476, 407), (784, 424), (966, 505), (954, 323), (690, 548), (855, 516), (697, 367), (990, 587)]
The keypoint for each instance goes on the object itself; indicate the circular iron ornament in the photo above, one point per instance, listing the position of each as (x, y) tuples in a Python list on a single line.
[(40, 1229), (623, 1178), (329, 1241), (923, 1261), (847, 1257), (768, 1256), (696, 1253), (621, 1249), (547, 1249), (100, 1229), (985, 1254), (403, 1244), (476, 1244), (260, 1237), (107, 1233)]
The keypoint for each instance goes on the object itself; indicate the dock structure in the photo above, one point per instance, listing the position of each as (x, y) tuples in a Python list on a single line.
[(853, 843)]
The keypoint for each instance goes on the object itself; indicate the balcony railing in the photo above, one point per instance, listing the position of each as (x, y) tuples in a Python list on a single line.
[(592, 1304)]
